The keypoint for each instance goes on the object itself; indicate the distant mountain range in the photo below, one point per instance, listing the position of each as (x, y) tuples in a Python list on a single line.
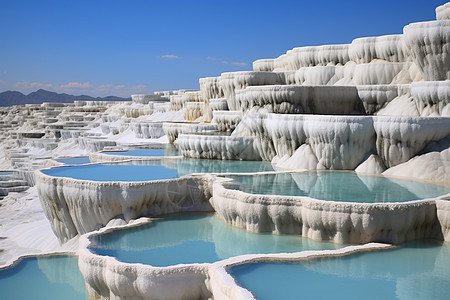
[(9, 98)]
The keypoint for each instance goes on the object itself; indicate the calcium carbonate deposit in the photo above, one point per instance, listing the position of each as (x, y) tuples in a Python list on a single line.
[(376, 108)]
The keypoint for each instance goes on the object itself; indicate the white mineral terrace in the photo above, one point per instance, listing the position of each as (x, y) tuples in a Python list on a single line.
[(80, 206), (376, 106), (106, 277)]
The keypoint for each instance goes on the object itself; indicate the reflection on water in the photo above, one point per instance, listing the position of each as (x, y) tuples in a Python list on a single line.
[(166, 151), (156, 170), (188, 166), (338, 186), (52, 277), (6, 173), (80, 160), (194, 238), (417, 270), (114, 172)]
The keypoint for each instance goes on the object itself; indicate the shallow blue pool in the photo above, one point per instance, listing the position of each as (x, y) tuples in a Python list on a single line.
[(80, 160), (165, 169), (169, 151), (113, 172), (338, 186), (6, 173), (43, 278), (418, 270), (194, 238), (188, 166)]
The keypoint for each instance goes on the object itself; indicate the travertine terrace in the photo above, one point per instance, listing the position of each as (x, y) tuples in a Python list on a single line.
[(375, 106)]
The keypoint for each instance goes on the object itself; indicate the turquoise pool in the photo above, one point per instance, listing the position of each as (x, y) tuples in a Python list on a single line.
[(102, 172), (168, 151), (194, 238), (80, 160), (188, 166), (46, 278), (165, 169), (6, 173), (418, 270), (338, 186)]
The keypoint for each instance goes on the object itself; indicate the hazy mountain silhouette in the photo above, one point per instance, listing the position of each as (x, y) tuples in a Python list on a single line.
[(17, 98)]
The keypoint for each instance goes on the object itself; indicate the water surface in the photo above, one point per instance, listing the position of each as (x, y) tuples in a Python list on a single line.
[(80, 160), (194, 238), (418, 270), (6, 173), (156, 170), (169, 151), (338, 186), (188, 166), (100, 172), (43, 278)]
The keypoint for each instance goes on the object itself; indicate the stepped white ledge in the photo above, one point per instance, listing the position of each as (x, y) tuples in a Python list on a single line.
[(176, 102), (194, 110), (288, 99), (390, 48), (227, 120), (79, 206), (230, 82), (375, 97), (224, 286), (443, 12), (312, 56), (218, 104), (382, 72), (432, 166), (432, 98), (217, 147), (173, 129), (319, 75), (341, 222), (147, 130), (337, 142), (145, 99), (209, 89), (398, 139), (342, 142), (106, 278), (429, 43), (264, 65)]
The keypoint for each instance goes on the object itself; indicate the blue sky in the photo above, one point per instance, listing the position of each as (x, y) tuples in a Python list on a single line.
[(118, 47)]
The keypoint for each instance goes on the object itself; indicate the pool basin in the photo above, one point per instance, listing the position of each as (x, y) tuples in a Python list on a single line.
[(193, 238), (339, 186), (412, 271), (43, 278), (78, 160), (340, 218), (166, 151), (116, 172)]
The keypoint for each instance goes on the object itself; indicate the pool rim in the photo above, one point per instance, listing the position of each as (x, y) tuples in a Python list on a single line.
[(214, 272)]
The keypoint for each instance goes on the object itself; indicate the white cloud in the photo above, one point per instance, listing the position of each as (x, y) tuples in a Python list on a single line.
[(218, 59), (25, 85), (227, 62), (169, 56), (77, 85)]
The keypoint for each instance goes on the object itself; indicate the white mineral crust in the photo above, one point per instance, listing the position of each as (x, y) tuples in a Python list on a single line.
[(443, 12), (429, 43)]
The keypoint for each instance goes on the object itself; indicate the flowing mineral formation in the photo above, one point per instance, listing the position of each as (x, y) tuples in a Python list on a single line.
[(377, 105)]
